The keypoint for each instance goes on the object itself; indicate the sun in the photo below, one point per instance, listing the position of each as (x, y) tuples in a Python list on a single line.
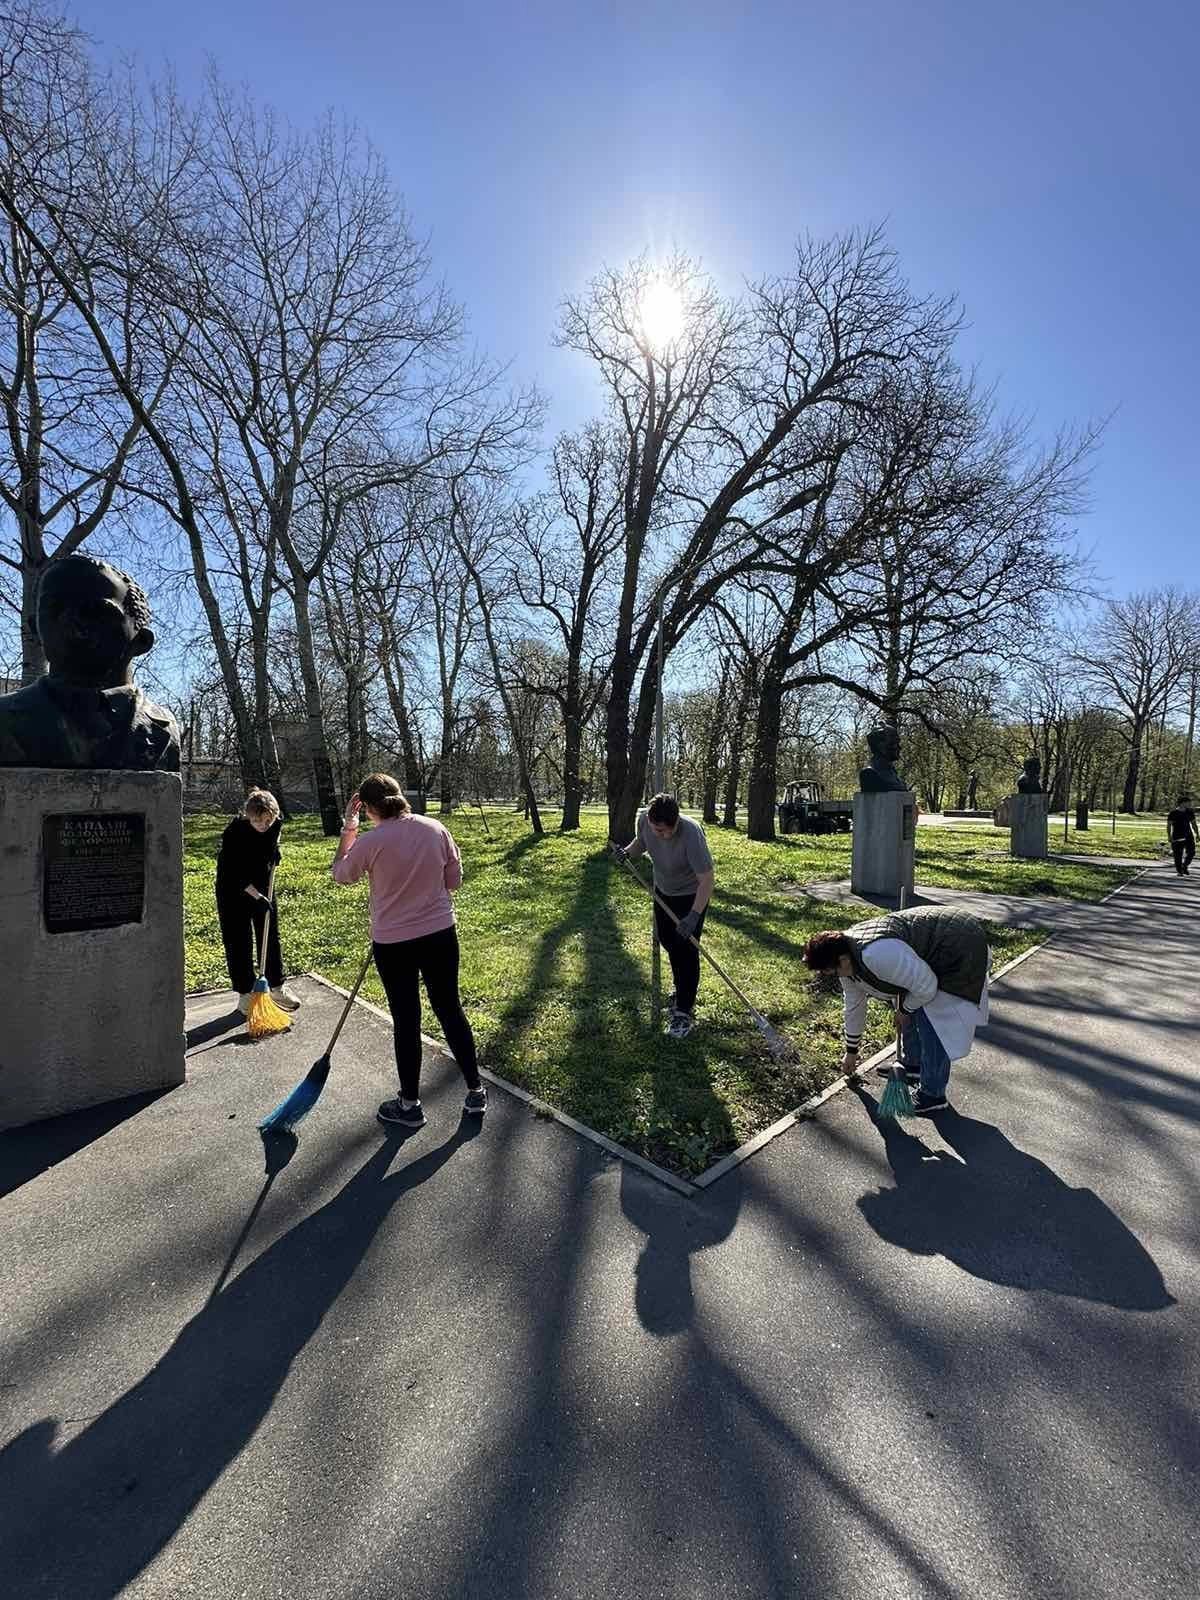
[(660, 314)]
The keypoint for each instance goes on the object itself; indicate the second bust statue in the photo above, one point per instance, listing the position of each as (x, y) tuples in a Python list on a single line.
[(879, 774)]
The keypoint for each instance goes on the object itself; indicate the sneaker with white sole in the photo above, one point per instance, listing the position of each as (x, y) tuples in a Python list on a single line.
[(681, 1025), (392, 1112), (476, 1102), (285, 999), (243, 1004), (925, 1105)]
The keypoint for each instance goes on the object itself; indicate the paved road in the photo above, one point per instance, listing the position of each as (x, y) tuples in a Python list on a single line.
[(951, 1362), (1013, 910)]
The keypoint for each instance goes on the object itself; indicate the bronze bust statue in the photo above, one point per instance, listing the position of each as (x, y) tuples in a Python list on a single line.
[(93, 621), (880, 773), (1030, 780)]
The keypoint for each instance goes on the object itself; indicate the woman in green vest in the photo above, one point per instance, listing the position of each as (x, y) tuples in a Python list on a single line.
[(931, 965)]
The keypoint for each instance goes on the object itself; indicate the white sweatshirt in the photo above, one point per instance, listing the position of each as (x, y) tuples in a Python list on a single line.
[(892, 961)]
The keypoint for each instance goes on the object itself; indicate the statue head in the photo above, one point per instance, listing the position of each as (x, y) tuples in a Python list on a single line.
[(884, 743), (1033, 766), (93, 621)]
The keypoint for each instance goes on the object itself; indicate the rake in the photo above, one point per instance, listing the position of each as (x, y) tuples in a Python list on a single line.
[(780, 1047)]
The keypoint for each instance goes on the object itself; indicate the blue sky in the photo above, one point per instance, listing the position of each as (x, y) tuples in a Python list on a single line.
[(1037, 159)]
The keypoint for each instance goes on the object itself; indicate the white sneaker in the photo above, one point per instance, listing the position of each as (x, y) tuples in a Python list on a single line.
[(285, 999), (244, 1003)]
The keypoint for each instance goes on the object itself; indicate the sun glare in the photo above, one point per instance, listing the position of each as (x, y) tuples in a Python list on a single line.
[(661, 314)]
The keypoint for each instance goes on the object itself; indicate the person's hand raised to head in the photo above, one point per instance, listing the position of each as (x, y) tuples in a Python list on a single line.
[(353, 807)]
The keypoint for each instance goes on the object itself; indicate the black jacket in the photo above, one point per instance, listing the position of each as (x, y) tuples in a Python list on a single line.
[(246, 856)]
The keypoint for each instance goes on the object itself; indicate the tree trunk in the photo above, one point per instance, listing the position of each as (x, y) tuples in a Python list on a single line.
[(737, 748), (33, 564), (764, 763), (709, 803), (318, 747), (1132, 770), (446, 797), (572, 744)]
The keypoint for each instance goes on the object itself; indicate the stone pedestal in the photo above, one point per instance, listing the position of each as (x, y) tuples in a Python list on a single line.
[(1028, 821), (883, 842), (91, 938)]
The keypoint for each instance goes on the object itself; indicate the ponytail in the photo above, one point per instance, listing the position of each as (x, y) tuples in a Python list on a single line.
[(383, 794)]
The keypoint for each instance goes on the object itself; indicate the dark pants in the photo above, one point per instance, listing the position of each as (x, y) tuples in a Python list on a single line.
[(401, 966), (681, 953), (1184, 851), (242, 921)]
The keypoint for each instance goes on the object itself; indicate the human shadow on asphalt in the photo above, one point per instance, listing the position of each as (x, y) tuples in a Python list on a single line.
[(25, 1153), (1004, 1216), (675, 1228), (86, 1518)]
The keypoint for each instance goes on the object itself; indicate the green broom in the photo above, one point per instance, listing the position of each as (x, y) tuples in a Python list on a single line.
[(896, 1100)]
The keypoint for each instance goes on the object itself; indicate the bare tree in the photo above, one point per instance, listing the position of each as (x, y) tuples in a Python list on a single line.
[(714, 426), (561, 548), (1138, 657), (68, 438)]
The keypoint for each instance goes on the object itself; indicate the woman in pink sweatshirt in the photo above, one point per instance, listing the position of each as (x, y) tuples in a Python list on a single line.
[(413, 865)]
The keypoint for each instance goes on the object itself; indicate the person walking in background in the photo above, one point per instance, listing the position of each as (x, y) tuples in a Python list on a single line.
[(249, 851), (683, 878), (931, 965), (1182, 832), (413, 866)]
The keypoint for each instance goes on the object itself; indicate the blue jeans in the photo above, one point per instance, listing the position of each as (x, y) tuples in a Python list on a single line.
[(924, 1052)]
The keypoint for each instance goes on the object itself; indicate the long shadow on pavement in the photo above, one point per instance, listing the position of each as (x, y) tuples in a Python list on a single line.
[(1003, 1216), (86, 1519), (25, 1153)]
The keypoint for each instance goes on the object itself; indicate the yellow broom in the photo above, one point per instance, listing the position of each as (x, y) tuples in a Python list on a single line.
[(264, 1017)]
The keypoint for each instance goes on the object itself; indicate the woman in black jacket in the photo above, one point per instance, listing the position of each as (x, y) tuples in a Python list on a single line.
[(249, 849)]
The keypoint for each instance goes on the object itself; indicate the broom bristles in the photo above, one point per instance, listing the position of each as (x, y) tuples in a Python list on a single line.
[(300, 1102), (264, 1016), (896, 1101)]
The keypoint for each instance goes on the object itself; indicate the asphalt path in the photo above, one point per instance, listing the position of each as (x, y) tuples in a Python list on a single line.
[(951, 1360)]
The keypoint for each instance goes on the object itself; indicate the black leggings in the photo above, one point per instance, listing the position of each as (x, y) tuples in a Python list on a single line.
[(681, 953), (239, 915), (435, 959)]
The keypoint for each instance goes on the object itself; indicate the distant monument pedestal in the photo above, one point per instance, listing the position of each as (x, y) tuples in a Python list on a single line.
[(91, 938), (883, 843), (1030, 827)]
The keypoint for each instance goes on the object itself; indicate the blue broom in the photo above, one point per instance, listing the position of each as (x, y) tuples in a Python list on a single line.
[(308, 1091), (896, 1101)]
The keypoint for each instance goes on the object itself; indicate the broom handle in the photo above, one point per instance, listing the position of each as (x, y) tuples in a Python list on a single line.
[(262, 957), (712, 961), (350, 999)]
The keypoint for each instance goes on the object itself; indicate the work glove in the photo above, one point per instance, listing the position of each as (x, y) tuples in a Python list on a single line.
[(618, 850), (687, 925)]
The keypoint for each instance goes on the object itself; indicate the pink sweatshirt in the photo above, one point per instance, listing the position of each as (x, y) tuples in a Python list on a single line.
[(413, 864)]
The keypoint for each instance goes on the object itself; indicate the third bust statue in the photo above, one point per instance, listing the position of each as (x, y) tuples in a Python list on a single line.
[(1030, 780), (93, 621), (880, 773)]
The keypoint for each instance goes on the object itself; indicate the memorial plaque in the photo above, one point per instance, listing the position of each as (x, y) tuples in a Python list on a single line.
[(93, 870), (908, 826)]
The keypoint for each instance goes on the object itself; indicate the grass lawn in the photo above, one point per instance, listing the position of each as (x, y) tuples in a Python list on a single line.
[(556, 966)]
